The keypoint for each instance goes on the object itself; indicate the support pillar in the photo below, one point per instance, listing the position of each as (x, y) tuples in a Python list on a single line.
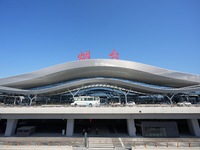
[(31, 99), (125, 95), (75, 92), (170, 98), (11, 127), (15, 100), (125, 98), (131, 127), (70, 127), (60, 98), (194, 128)]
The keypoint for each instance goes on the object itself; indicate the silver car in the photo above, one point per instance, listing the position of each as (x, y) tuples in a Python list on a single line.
[(184, 103)]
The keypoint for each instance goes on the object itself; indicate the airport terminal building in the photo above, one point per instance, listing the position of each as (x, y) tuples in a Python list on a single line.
[(135, 100)]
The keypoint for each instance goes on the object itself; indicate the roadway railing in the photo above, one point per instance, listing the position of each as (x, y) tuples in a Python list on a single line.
[(115, 143), (108, 105)]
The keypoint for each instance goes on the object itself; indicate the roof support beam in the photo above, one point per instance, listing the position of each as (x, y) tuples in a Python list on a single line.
[(75, 92), (125, 94), (170, 98), (31, 99)]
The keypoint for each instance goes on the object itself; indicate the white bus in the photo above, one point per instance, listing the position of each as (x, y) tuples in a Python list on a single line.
[(86, 101)]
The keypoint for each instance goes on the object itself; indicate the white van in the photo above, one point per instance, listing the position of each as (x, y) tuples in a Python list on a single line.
[(86, 101)]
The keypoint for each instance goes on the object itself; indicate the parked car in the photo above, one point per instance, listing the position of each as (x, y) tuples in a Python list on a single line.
[(131, 103), (184, 103)]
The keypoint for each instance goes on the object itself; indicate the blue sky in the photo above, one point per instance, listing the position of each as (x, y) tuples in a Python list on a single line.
[(40, 33)]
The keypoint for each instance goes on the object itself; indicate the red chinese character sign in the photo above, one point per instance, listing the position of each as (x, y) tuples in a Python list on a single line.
[(114, 55), (83, 56)]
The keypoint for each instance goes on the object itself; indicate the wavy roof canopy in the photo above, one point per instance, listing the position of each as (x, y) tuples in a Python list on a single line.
[(87, 72)]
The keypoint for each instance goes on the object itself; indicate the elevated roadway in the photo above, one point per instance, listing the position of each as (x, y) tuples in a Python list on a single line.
[(134, 112), (13, 114)]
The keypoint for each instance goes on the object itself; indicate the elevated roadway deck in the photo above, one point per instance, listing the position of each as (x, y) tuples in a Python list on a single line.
[(130, 114), (135, 112)]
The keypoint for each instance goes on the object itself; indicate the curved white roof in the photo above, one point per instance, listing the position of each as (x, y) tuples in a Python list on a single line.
[(113, 72)]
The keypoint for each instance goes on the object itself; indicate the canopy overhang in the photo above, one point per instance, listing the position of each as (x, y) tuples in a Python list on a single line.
[(118, 73)]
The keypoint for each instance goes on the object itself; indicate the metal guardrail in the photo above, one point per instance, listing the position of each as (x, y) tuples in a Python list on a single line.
[(81, 143), (150, 144), (38, 143), (108, 105)]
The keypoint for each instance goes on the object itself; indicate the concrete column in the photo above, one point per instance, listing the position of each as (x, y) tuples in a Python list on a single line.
[(11, 127), (194, 128), (131, 127), (70, 127)]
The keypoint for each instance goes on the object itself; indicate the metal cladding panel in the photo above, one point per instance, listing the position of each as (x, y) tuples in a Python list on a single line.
[(107, 68)]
